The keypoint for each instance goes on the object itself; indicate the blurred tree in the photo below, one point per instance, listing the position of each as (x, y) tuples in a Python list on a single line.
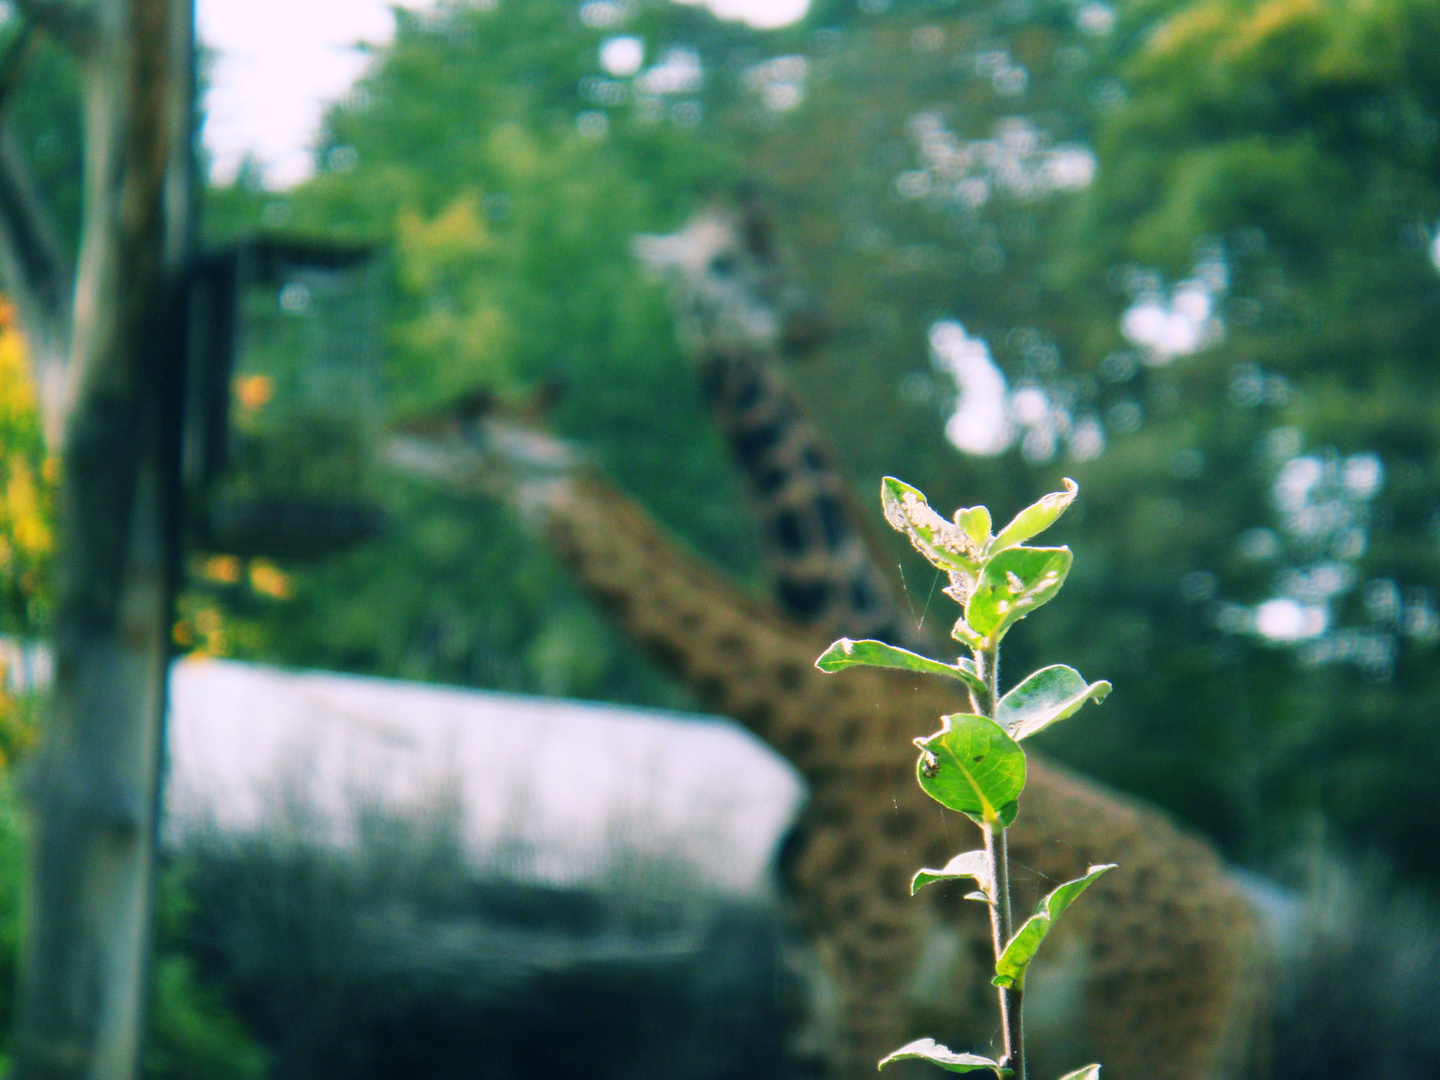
[(1291, 153), (1194, 241), (192, 1033), (507, 171)]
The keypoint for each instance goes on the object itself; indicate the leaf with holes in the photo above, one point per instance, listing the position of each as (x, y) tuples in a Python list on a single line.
[(942, 542), (1013, 584), (972, 766), (846, 653), (931, 1051), (1036, 518), (1089, 1072), (972, 864), (1015, 960), (1046, 697)]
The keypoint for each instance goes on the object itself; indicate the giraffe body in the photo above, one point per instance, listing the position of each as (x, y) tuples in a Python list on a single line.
[(1161, 973)]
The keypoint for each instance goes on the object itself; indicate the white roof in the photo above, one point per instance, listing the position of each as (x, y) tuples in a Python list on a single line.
[(555, 787)]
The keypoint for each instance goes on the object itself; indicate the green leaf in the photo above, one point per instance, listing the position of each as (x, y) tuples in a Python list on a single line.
[(975, 523), (972, 766), (1013, 584), (1089, 1072), (1036, 518), (940, 541), (971, 864), (846, 653), (1015, 960), (1044, 698), (931, 1051)]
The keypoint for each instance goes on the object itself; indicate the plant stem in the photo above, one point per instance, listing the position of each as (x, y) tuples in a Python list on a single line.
[(997, 854)]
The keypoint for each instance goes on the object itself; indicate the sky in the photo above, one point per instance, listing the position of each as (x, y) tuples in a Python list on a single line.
[(280, 63)]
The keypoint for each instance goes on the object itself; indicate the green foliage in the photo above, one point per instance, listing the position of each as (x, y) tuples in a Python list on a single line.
[(1046, 697), (846, 653), (931, 1051), (12, 877), (1013, 583), (949, 547), (411, 953), (998, 581), (1297, 140), (974, 764), (193, 1034), (27, 489), (1021, 949), (1292, 145), (968, 864), (508, 223), (1036, 518)]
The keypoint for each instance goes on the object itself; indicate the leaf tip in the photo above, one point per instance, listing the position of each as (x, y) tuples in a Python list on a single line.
[(836, 657)]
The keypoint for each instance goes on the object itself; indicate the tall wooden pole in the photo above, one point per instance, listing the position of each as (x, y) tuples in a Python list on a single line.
[(108, 358)]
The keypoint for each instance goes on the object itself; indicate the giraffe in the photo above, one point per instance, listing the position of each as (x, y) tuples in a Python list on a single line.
[(1161, 974), (738, 313)]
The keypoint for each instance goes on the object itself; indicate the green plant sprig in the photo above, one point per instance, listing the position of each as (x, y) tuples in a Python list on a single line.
[(975, 764)]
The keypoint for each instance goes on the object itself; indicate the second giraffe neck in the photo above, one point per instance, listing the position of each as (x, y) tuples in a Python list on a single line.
[(825, 574)]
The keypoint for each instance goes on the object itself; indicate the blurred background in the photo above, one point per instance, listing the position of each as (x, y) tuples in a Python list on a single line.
[(1185, 251)]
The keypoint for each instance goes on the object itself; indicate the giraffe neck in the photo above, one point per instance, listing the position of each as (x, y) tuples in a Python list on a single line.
[(822, 571), (736, 310), (742, 657), (826, 573)]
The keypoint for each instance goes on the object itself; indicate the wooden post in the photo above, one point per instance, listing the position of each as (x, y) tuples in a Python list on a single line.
[(107, 354)]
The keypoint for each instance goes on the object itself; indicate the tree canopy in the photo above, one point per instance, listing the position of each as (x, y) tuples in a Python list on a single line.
[(1183, 251)]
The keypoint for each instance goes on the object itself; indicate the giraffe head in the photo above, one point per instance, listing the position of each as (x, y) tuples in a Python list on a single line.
[(487, 444), (725, 276)]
